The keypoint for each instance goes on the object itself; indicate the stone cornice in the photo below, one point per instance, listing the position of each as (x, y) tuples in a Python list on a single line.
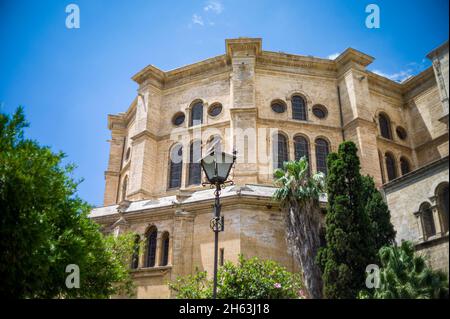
[(275, 61), (195, 208), (384, 86), (245, 45), (388, 142), (293, 123), (358, 122), (143, 134), (438, 51), (352, 55)]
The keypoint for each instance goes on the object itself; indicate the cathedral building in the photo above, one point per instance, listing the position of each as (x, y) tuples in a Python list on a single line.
[(270, 107)]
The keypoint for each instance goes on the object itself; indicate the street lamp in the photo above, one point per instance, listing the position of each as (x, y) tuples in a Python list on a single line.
[(217, 166)]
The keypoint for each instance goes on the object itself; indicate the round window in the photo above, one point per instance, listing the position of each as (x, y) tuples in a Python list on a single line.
[(278, 107), (215, 109), (178, 119), (320, 111), (401, 132)]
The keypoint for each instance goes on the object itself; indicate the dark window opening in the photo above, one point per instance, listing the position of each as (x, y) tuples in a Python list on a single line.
[(197, 114), (301, 149), (278, 107), (322, 150), (427, 220), (195, 172), (151, 248), (280, 151), (390, 167), (298, 108), (385, 126), (215, 109), (176, 166), (401, 133), (320, 111), (165, 250), (404, 166), (178, 119)]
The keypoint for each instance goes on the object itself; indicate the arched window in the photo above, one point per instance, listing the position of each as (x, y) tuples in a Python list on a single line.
[(426, 215), (280, 151), (197, 114), (442, 199), (380, 159), (385, 126), (322, 150), (151, 247), (298, 108), (404, 165), (124, 188), (195, 171), (176, 166), (390, 166), (301, 149), (135, 257), (165, 249)]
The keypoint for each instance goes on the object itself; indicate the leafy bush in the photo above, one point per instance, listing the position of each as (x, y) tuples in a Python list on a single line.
[(405, 275), (44, 226), (249, 279)]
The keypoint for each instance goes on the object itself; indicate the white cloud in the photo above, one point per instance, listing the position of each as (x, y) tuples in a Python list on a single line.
[(214, 6), (196, 19), (398, 76), (412, 69), (333, 56)]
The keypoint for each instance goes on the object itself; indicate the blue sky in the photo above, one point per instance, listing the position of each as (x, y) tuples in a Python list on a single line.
[(68, 80)]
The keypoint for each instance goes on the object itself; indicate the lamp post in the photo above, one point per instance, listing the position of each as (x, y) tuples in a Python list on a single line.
[(217, 167)]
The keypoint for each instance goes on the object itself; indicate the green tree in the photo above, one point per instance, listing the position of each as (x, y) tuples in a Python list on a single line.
[(378, 213), (298, 194), (349, 244), (44, 226), (405, 275), (249, 279)]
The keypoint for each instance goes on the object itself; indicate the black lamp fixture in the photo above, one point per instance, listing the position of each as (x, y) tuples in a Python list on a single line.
[(217, 166)]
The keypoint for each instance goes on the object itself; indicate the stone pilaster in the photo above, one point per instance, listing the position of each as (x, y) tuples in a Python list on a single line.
[(116, 149), (358, 123), (144, 144), (182, 243), (243, 111)]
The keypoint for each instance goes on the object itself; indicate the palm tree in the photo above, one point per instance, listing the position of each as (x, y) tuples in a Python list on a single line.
[(405, 275), (298, 194)]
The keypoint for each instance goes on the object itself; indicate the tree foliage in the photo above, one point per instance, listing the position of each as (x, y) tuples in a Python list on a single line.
[(249, 279), (405, 275), (349, 241), (298, 194), (44, 225), (378, 213)]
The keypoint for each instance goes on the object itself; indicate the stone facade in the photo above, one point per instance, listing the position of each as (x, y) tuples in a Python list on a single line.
[(256, 90)]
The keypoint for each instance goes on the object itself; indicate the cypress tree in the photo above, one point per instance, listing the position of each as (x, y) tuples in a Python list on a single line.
[(379, 215), (349, 248)]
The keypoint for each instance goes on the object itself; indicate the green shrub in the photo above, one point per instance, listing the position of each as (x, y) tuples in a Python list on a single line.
[(405, 275), (249, 279)]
